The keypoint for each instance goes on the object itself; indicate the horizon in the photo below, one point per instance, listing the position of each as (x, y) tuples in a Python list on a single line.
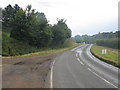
[(96, 33)]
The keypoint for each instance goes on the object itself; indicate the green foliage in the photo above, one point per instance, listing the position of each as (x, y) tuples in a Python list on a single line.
[(19, 25), (0, 42), (78, 38), (110, 57), (68, 43), (31, 27), (108, 39), (83, 38), (30, 31), (8, 14), (12, 47), (60, 33), (112, 43)]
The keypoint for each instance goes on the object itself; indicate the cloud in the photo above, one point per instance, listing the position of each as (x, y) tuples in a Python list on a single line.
[(79, 13)]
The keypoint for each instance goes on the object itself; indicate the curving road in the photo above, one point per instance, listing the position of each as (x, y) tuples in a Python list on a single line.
[(78, 68)]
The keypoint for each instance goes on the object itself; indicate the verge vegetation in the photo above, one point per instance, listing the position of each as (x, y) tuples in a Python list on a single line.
[(47, 51), (27, 31), (110, 57)]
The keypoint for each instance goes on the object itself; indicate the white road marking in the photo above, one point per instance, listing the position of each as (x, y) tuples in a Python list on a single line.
[(89, 65), (51, 75), (89, 69), (102, 78), (80, 61), (51, 78), (76, 54), (53, 62), (84, 61)]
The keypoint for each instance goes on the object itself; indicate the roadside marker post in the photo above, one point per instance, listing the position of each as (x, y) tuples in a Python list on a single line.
[(104, 51)]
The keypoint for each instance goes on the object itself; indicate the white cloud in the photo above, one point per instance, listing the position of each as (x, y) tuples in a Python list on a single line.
[(79, 13)]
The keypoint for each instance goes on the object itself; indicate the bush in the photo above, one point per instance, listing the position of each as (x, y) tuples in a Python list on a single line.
[(12, 47)]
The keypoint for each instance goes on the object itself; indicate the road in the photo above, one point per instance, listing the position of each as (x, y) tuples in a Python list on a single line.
[(78, 68)]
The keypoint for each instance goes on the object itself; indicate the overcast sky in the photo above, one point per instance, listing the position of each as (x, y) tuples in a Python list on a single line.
[(83, 16)]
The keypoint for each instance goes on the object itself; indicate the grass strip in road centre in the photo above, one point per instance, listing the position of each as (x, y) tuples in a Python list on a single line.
[(110, 57), (47, 51)]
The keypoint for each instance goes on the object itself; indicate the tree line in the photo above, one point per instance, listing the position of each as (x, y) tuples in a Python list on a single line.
[(109, 39), (33, 27), (27, 30)]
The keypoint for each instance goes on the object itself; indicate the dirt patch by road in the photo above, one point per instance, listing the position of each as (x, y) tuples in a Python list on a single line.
[(26, 72)]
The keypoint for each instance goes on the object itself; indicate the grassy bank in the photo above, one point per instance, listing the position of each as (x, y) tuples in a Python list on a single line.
[(47, 51), (12, 47), (111, 57), (51, 51)]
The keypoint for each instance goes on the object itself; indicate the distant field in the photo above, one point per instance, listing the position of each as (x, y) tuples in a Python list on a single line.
[(111, 57)]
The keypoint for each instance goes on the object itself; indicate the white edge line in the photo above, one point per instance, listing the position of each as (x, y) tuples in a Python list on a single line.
[(102, 78), (51, 75)]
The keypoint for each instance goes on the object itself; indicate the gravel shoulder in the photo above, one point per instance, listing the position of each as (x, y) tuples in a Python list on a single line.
[(26, 72)]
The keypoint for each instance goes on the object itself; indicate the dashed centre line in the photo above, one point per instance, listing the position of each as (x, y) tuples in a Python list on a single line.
[(76, 55), (80, 61)]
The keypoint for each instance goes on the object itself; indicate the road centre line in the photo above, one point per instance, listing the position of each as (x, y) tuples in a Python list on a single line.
[(80, 61), (102, 78), (76, 54)]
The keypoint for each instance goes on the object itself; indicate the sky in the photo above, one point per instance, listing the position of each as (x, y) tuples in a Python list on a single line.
[(83, 16)]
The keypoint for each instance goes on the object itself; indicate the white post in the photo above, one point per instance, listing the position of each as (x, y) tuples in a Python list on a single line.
[(103, 51)]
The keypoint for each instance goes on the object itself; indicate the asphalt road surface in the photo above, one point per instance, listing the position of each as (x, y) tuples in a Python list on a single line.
[(78, 68)]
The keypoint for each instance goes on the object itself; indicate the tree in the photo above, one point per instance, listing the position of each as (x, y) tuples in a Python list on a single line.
[(58, 35), (60, 32), (63, 25), (19, 26), (41, 35), (112, 42), (78, 39), (22, 24), (16, 8), (8, 14), (32, 27)]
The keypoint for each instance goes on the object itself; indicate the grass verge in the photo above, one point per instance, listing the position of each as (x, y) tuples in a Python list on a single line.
[(47, 51), (111, 57)]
